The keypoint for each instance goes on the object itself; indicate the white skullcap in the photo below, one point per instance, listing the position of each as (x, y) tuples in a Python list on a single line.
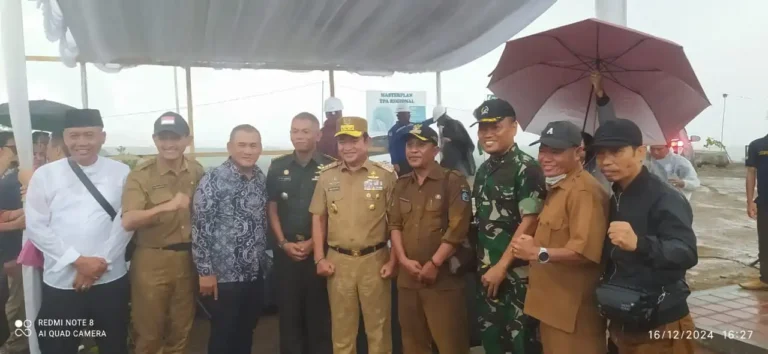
[(333, 104), (438, 112), (402, 107)]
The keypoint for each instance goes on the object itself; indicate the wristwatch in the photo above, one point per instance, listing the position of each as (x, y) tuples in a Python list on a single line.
[(543, 255)]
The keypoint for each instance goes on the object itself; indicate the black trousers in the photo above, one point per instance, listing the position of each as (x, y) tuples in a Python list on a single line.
[(304, 312), (67, 316), (234, 316), (762, 240), (5, 332)]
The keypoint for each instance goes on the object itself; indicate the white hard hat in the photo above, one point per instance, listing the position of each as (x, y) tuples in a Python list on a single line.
[(438, 112), (402, 107), (333, 104)]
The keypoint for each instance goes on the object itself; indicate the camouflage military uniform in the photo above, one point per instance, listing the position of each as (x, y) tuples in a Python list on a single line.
[(506, 188)]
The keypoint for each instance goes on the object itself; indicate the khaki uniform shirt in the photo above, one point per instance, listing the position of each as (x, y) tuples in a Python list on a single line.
[(153, 183), (355, 202), (575, 216), (417, 211)]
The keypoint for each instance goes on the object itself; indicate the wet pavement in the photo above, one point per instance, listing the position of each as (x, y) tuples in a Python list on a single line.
[(731, 319)]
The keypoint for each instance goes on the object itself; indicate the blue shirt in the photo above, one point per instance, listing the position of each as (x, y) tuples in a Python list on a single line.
[(229, 224), (397, 139)]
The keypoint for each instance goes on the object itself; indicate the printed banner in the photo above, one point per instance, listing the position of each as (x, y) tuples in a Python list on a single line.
[(381, 108)]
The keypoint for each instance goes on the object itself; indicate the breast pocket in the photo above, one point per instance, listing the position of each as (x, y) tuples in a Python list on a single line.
[(549, 227), (334, 201), (504, 203), (160, 196)]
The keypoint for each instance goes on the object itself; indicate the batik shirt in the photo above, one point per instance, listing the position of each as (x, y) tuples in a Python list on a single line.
[(229, 224), (507, 187)]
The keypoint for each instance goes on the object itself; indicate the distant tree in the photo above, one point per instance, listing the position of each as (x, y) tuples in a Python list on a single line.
[(711, 142), (121, 150)]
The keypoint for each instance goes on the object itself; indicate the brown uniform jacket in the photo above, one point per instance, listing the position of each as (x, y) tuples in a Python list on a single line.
[(575, 216), (417, 211), (153, 183), (355, 202)]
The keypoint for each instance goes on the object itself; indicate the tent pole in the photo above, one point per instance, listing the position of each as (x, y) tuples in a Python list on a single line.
[(332, 83), (322, 103), (190, 109), (15, 65), (439, 84), (614, 11), (176, 88), (84, 84)]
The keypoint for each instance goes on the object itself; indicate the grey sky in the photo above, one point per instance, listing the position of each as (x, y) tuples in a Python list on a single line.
[(725, 42)]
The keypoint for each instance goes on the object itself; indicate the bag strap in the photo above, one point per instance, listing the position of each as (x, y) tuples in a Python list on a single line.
[(92, 189), (444, 211)]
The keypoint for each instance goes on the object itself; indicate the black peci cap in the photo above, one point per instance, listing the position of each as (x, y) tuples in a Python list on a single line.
[(618, 133)]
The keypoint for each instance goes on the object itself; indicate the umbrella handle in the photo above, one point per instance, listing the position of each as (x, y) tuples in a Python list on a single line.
[(589, 105)]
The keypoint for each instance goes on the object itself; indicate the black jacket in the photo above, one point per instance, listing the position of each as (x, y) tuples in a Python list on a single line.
[(662, 219), (458, 153)]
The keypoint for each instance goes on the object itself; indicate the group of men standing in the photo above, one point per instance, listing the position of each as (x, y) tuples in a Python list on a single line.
[(544, 232)]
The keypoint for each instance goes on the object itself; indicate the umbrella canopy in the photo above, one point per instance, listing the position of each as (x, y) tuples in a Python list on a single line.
[(545, 77), (45, 115)]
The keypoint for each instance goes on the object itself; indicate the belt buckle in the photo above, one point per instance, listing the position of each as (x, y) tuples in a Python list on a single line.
[(355, 253), (300, 237)]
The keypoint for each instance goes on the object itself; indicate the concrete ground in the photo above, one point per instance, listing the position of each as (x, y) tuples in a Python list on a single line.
[(727, 243)]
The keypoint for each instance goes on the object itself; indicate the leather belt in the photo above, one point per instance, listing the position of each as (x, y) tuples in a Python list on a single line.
[(359, 252), (178, 247)]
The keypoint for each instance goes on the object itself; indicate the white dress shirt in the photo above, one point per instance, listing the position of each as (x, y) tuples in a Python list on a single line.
[(65, 222), (677, 166)]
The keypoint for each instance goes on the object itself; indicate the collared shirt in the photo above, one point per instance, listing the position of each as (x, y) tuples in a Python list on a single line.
[(575, 217), (327, 144), (229, 224), (10, 199), (757, 157), (677, 166), (418, 211), (65, 221), (153, 183), (355, 202), (291, 186), (507, 187), (397, 139)]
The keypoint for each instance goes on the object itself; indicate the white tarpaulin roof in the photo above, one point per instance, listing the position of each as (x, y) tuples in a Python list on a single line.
[(364, 36)]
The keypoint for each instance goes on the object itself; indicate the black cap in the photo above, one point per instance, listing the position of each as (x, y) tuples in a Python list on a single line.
[(618, 133), (492, 111), (81, 118), (424, 133), (561, 134), (172, 122)]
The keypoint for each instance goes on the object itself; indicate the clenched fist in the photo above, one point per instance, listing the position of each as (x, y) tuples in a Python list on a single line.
[(622, 235)]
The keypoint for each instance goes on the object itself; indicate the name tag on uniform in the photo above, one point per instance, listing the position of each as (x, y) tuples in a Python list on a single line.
[(373, 185), (284, 178), (333, 187), (158, 186)]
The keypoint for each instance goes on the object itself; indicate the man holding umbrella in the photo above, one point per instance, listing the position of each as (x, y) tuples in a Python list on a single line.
[(509, 190)]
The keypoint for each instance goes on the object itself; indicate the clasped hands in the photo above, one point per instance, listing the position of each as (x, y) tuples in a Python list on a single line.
[(89, 270), (425, 274)]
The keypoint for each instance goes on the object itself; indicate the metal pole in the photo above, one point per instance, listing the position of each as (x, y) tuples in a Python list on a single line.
[(190, 109), (439, 91), (332, 83), (722, 123), (322, 103), (176, 88), (614, 11), (15, 66), (84, 84)]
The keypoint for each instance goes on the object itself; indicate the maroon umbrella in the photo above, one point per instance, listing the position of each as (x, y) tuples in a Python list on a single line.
[(545, 77)]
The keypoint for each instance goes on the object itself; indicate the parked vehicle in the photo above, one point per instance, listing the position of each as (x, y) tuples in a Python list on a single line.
[(682, 145)]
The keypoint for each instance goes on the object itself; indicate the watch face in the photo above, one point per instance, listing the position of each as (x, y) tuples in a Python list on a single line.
[(543, 257)]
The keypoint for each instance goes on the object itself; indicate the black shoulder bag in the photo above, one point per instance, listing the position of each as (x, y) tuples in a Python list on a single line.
[(464, 260), (100, 199)]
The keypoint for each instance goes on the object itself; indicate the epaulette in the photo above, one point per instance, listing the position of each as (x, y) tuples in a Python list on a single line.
[(457, 173), (329, 157), (384, 165), (407, 175), (329, 166), (194, 163), (282, 156), (147, 163)]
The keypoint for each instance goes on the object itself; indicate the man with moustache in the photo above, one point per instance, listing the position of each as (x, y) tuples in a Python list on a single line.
[(429, 217), (509, 190), (73, 216), (566, 249), (650, 246), (305, 322), (156, 205), (350, 201)]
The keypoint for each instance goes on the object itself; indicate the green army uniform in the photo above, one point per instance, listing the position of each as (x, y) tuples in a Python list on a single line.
[(305, 320), (506, 188)]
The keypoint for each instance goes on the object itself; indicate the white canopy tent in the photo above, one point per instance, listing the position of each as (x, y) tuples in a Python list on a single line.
[(368, 37)]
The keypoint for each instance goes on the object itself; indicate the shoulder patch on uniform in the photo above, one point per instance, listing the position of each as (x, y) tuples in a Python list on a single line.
[(146, 163), (384, 165), (329, 166), (465, 195)]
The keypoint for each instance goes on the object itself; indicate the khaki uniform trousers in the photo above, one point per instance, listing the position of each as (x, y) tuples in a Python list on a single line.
[(588, 336), (15, 311), (357, 284), (681, 341), (163, 286), (438, 315)]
